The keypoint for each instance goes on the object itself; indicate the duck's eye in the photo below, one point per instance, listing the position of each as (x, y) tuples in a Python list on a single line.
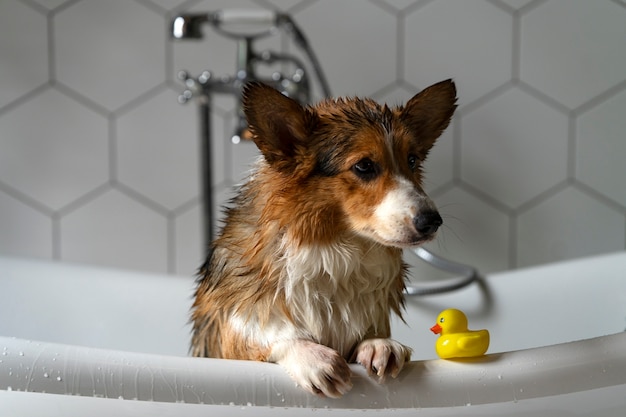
[(366, 169), (413, 161), (441, 320)]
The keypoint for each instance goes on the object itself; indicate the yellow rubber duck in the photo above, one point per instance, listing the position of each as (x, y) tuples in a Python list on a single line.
[(456, 341)]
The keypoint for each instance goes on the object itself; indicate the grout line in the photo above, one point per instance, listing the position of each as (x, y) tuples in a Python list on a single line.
[(531, 6), (140, 99), (597, 195), (513, 262), (141, 199), (415, 6), (85, 101), (383, 5), (35, 6), (620, 3), (600, 98), (170, 242), (485, 198), (186, 206), (400, 46), (83, 200), (532, 91), (26, 199), (25, 98), (572, 140), (490, 96)]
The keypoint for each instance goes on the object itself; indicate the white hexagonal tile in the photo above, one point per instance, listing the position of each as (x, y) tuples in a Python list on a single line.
[(569, 224), (110, 51), (601, 148), (114, 230), (574, 50), (514, 147), (158, 148), (355, 43), (473, 233), (24, 231), (54, 150), (469, 41), (24, 46)]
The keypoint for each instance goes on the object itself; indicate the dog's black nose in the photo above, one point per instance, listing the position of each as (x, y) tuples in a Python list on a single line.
[(427, 223)]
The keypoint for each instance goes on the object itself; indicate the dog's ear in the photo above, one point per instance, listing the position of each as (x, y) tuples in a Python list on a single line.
[(279, 125), (428, 113)]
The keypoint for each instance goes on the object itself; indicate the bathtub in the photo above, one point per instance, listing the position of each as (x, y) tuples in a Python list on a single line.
[(82, 341)]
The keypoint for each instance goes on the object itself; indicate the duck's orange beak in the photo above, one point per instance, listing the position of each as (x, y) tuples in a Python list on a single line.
[(436, 329)]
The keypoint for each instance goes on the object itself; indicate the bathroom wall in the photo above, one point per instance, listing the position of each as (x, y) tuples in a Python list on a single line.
[(99, 163)]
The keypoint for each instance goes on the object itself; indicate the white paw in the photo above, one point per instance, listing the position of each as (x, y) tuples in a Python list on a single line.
[(382, 357), (316, 368)]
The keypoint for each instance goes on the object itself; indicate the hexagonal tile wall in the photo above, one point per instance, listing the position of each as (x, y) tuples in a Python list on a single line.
[(373, 52), (120, 62), (115, 230), (563, 45), (55, 150), (514, 147), (155, 157), (100, 164), (559, 227), (601, 148), (24, 63), (468, 41)]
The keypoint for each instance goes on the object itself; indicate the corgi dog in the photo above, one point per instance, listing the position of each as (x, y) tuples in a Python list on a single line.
[(308, 267)]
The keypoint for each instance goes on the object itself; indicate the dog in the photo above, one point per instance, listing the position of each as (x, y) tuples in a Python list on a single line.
[(308, 267)]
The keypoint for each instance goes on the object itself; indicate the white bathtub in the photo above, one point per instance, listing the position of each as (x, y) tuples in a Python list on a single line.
[(80, 341)]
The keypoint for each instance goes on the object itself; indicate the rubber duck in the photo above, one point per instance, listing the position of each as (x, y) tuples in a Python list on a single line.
[(455, 340)]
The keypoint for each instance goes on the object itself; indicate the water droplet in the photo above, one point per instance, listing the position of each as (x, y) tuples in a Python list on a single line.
[(59, 378), (9, 388), (499, 376), (46, 375), (468, 404), (21, 353), (121, 397)]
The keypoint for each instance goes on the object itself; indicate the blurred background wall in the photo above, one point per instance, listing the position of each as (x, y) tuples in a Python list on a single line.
[(99, 163)]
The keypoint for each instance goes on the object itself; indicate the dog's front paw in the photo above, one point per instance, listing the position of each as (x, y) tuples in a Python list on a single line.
[(382, 357), (316, 368)]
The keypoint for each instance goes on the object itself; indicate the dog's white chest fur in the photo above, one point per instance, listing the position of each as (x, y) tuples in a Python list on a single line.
[(339, 292)]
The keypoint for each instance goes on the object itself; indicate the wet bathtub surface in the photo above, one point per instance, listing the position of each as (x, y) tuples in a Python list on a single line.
[(74, 342)]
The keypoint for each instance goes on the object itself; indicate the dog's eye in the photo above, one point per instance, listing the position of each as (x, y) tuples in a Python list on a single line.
[(413, 161), (365, 169)]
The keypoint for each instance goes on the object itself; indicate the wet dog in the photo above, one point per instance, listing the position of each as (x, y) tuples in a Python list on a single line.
[(308, 268)]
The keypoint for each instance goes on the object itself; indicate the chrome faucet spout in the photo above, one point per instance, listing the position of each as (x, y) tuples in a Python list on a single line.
[(188, 26)]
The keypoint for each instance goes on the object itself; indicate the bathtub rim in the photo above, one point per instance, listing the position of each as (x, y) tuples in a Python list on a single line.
[(496, 378)]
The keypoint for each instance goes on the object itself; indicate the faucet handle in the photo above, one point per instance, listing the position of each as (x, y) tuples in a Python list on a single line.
[(193, 85)]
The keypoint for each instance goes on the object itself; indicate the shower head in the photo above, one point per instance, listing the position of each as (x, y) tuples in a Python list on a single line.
[(187, 26)]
